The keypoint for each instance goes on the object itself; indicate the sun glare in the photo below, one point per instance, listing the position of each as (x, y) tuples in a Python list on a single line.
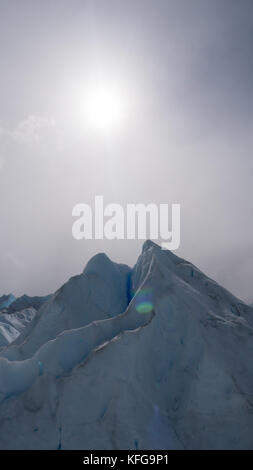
[(104, 108)]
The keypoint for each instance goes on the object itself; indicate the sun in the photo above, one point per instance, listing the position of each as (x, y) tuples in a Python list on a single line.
[(104, 108)]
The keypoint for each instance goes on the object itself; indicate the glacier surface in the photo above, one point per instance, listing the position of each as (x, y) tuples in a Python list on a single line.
[(154, 357), (6, 300)]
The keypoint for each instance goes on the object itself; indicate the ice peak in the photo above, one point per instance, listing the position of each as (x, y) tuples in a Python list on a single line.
[(98, 262), (149, 244), (6, 300)]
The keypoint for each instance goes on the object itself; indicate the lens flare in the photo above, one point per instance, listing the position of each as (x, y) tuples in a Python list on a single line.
[(144, 302)]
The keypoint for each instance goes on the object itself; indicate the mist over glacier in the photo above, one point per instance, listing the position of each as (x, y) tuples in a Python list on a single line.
[(154, 357)]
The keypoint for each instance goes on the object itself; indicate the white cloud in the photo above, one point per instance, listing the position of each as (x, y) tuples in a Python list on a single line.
[(32, 130)]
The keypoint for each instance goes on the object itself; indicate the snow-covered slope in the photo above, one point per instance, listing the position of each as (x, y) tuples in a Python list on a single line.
[(155, 357)]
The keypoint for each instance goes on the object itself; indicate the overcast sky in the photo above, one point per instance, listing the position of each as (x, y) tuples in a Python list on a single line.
[(186, 71)]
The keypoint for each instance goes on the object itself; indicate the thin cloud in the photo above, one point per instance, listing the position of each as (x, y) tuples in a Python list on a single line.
[(32, 130)]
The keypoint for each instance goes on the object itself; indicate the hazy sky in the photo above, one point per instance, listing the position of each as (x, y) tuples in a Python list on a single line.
[(185, 69)]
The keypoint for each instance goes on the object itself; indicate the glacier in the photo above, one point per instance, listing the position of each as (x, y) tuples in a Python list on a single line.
[(25, 301), (12, 324), (6, 300), (16, 313), (154, 357)]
